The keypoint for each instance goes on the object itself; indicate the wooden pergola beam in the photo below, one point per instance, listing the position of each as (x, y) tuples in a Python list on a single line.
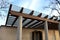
[(59, 20), (39, 25), (8, 14), (21, 10), (28, 23), (32, 20), (55, 19), (17, 17), (31, 17), (31, 13), (14, 21), (51, 17), (46, 16), (32, 24), (24, 20), (40, 15), (36, 25)]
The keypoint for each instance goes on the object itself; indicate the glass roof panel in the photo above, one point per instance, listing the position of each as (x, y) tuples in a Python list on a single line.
[(15, 8), (10, 20), (27, 11)]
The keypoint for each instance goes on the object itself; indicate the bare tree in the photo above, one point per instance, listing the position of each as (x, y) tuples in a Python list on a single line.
[(3, 8), (3, 4), (54, 5)]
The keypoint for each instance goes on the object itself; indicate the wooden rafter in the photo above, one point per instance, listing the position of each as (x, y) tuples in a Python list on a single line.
[(12, 15), (8, 14), (46, 16), (21, 10), (51, 17), (14, 21), (31, 13), (32, 20), (40, 15), (32, 24), (37, 25), (31, 16), (28, 23), (56, 19), (17, 17), (24, 20)]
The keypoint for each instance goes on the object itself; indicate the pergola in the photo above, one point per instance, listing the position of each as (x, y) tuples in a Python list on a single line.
[(41, 23)]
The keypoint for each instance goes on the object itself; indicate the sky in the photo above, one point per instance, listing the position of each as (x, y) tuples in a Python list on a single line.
[(36, 5)]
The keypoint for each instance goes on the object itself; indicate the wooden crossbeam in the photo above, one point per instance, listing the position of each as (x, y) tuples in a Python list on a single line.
[(31, 17), (40, 15), (17, 17), (56, 19), (46, 16), (13, 15), (8, 14), (36, 25), (14, 21), (51, 17), (24, 20), (39, 25), (31, 13), (21, 10), (32, 24), (32, 20), (28, 23)]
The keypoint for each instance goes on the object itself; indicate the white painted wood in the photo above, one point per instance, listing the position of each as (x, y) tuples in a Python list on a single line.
[(19, 29), (46, 30)]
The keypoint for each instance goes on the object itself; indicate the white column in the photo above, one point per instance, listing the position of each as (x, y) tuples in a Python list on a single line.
[(54, 36), (46, 30), (19, 29), (59, 29)]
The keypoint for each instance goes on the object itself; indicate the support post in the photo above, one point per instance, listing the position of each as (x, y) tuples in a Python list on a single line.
[(59, 29), (54, 36), (46, 30), (19, 29)]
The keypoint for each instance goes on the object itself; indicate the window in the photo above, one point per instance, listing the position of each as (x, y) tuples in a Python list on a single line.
[(36, 35)]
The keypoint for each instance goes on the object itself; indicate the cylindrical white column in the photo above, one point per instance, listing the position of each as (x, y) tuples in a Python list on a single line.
[(19, 29), (46, 30), (54, 36)]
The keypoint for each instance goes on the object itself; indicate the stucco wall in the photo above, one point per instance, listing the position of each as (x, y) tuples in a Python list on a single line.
[(7, 33), (10, 33), (27, 34)]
